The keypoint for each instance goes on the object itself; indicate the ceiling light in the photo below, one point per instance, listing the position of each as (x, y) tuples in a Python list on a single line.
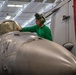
[(20, 11), (19, 5), (8, 17), (11, 5)]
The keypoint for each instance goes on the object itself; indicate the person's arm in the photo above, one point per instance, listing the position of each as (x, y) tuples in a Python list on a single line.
[(29, 29)]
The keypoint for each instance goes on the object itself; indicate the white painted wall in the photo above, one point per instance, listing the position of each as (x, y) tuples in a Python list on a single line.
[(72, 27), (63, 31), (60, 32)]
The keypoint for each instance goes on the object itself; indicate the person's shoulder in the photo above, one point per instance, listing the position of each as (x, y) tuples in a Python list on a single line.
[(46, 27)]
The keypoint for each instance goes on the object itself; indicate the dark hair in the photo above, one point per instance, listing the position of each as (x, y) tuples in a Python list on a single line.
[(40, 16)]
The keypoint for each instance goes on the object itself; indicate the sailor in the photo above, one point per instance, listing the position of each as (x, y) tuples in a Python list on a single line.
[(40, 28)]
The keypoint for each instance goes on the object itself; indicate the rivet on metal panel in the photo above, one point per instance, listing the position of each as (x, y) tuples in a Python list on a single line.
[(40, 38), (16, 34), (5, 70)]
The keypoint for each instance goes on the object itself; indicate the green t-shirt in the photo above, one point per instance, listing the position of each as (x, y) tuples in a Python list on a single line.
[(43, 32)]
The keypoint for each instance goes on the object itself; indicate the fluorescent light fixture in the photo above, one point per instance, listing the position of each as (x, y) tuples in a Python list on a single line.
[(8, 17), (20, 11), (12, 5), (19, 5)]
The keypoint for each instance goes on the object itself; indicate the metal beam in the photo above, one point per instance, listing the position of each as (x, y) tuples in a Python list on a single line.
[(3, 4), (50, 1), (38, 0), (21, 0), (20, 12)]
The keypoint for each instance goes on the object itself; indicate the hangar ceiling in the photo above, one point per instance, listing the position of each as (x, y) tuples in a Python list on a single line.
[(23, 11)]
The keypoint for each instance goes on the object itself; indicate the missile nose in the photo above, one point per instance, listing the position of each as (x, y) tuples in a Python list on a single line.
[(50, 59)]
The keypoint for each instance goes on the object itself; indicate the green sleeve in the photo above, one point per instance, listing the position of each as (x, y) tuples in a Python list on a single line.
[(29, 29), (49, 35)]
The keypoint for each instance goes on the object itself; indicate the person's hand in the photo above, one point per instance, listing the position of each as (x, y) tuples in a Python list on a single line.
[(19, 28)]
